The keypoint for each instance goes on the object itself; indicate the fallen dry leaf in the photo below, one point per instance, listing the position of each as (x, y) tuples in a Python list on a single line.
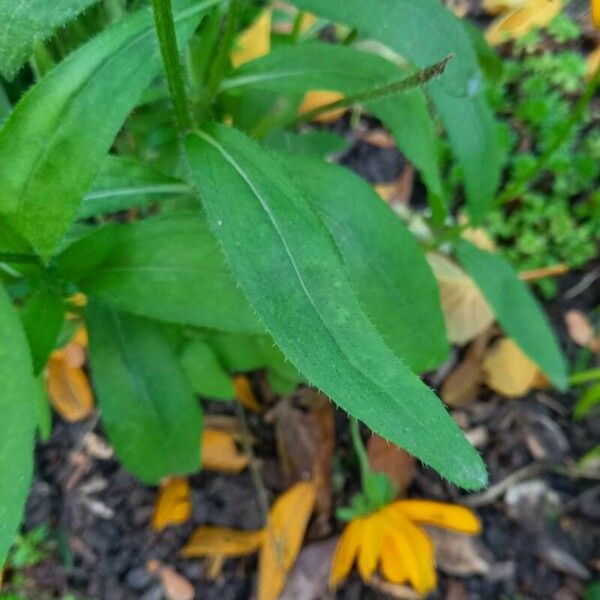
[(221, 541), (244, 393), (175, 586), (288, 519), (379, 138), (466, 312), (69, 389), (476, 235), (516, 23), (509, 371), (173, 504), (254, 42), (459, 7), (459, 555), (399, 191), (387, 458), (219, 452), (580, 329), (319, 98), (305, 438)]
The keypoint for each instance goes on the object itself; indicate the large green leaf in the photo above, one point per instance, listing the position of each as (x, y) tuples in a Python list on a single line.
[(385, 264), (123, 183), (147, 405), (54, 141), (24, 23), (286, 263), (19, 420), (320, 66), (167, 268), (516, 309), (206, 374), (424, 32)]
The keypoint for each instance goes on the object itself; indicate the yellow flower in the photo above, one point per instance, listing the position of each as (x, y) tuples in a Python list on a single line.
[(595, 10), (393, 539)]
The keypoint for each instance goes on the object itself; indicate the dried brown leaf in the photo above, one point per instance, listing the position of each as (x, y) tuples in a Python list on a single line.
[(579, 327), (175, 586), (386, 458)]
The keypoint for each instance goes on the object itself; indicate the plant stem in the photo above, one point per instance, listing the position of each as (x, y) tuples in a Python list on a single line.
[(389, 89), (520, 186), (359, 448), (297, 27), (165, 28), (16, 257), (584, 376)]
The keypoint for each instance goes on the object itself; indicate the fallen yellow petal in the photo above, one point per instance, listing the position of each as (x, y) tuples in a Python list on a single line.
[(516, 23), (254, 42), (319, 98), (288, 519), (592, 62), (219, 452), (221, 541), (69, 389), (345, 552), (173, 504), (439, 514), (595, 10), (244, 393)]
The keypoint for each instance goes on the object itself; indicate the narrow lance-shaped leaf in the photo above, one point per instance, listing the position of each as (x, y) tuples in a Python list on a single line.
[(516, 309), (424, 31), (320, 66), (148, 408), (385, 265), (287, 265), (24, 23), (167, 268), (53, 143), (19, 420)]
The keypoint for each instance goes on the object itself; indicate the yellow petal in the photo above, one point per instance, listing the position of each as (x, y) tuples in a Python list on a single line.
[(244, 393), (69, 389), (319, 98), (466, 312), (346, 552), (374, 530), (593, 61), (515, 24), (392, 563), (221, 541), (255, 41), (288, 519), (595, 9), (509, 371), (173, 504), (440, 514), (416, 550), (495, 7), (219, 452)]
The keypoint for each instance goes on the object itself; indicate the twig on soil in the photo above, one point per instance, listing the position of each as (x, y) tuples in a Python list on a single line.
[(551, 271), (583, 285)]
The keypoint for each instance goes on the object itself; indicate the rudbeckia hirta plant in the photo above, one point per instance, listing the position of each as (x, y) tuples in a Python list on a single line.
[(387, 535)]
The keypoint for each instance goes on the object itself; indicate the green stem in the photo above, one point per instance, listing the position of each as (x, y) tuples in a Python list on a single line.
[(517, 188), (584, 376), (165, 28), (389, 89), (297, 27), (359, 448), (16, 257)]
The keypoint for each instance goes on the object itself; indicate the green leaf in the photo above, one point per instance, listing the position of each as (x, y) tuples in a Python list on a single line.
[(24, 23), (320, 66), (42, 317), (310, 143), (424, 32), (587, 401), (386, 266), (205, 373), (123, 183), (290, 270), (148, 407), (516, 309), (19, 421), (166, 268), (54, 141)]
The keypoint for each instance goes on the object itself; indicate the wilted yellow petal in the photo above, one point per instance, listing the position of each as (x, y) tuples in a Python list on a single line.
[(220, 541), (495, 7), (345, 552), (466, 312), (508, 370), (518, 22), (244, 393), (320, 98), (78, 299), (592, 62), (288, 519), (81, 337), (69, 389), (416, 550), (255, 41), (219, 452), (439, 514), (173, 504), (374, 530), (595, 10), (392, 563)]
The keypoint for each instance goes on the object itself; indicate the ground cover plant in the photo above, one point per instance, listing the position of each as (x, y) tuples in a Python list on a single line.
[(171, 220)]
